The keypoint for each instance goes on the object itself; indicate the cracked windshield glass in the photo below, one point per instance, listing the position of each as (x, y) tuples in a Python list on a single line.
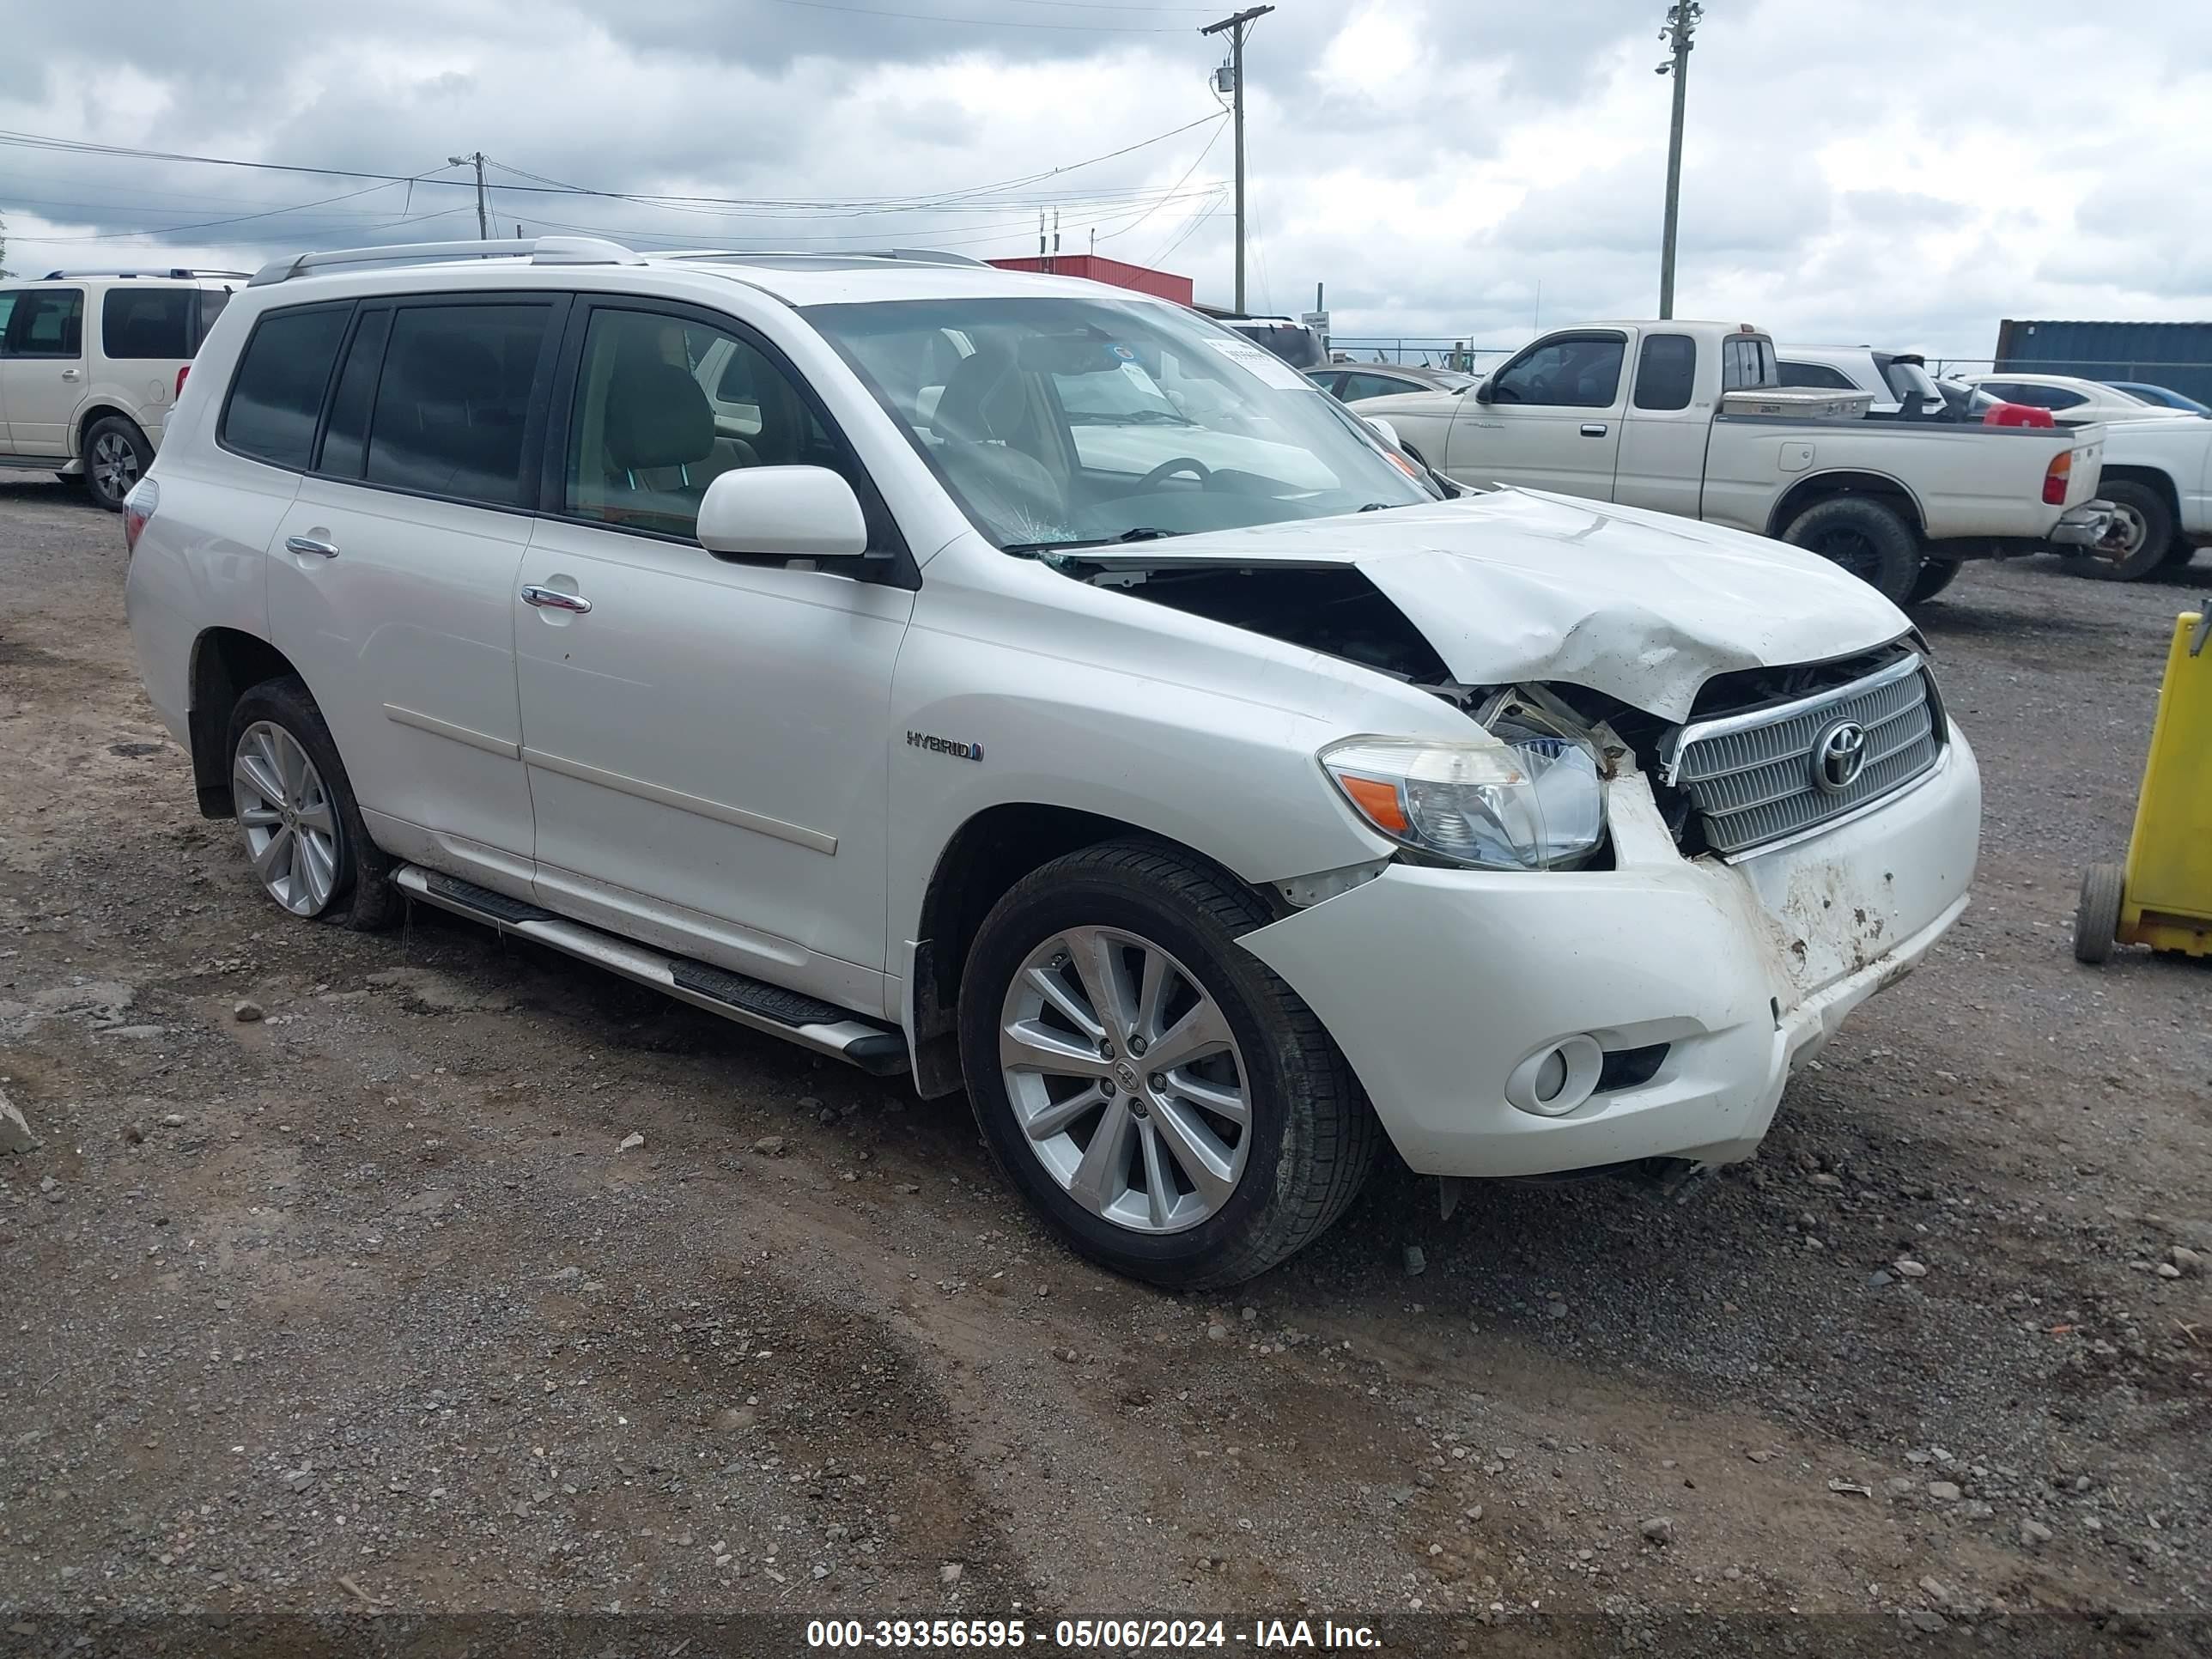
[(1069, 422)]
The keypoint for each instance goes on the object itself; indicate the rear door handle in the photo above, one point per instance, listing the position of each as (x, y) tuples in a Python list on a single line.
[(552, 598), (68, 375), (310, 544), (1593, 428)]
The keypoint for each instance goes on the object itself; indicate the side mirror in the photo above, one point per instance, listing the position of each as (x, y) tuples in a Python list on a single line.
[(783, 513), (1388, 432), (1483, 394)]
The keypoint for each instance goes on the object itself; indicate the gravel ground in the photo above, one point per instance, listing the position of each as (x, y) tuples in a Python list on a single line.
[(328, 1288)]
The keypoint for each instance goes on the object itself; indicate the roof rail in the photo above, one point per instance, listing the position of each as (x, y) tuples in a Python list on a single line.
[(913, 255), (171, 271), (539, 250)]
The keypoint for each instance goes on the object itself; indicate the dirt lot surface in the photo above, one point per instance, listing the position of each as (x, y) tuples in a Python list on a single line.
[(330, 1288)]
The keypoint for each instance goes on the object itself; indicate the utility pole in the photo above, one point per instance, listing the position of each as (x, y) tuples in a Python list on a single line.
[(483, 224), (1682, 18), (1235, 26)]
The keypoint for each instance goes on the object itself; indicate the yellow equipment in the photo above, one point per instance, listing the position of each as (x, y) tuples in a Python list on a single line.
[(2162, 897)]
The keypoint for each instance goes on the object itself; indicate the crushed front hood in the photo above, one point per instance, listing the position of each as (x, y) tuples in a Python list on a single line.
[(1519, 585)]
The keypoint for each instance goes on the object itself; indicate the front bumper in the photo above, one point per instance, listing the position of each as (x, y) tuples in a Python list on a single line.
[(1438, 984), (2082, 527)]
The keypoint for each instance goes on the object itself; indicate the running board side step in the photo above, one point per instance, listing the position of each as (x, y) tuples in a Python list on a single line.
[(814, 1024)]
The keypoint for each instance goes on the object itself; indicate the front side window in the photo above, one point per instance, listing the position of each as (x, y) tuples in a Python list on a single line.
[(148, 322), (1067, 422), (277, 396), (47, 322), (1580, 371), (1817, 377), (665, 405), (1666, 372), (454, 399)]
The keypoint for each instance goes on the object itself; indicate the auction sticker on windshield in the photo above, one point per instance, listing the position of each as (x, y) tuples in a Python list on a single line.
[(1262, 362)]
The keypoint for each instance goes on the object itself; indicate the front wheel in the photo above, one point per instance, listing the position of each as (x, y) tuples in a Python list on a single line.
[(1935, 575), (1865, 538), (1170, 1107), (296, 808), (116, 456), (2141, 537)]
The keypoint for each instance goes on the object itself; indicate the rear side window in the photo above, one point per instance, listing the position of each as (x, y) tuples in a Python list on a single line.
[(148, 322), (1666, 372), (345, 440), (277, 396), (212, 301), (454, 399), (1746, 361), (47, 323)]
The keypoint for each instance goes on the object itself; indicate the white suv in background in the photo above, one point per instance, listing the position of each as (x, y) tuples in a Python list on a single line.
[(91, 362), (813, 638)]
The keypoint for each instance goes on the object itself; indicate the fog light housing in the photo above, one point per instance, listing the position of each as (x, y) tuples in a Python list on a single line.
[(1557, 1079)]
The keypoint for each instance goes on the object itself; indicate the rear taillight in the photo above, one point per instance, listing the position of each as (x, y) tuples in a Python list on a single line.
[(137, 507), (181, 372), (2056, 477)]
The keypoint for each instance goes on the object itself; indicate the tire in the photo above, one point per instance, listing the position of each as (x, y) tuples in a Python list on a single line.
[(1935, 575), (1307, 1139), (351, 882), (1865, 538), (2178, 556), (2097, 915), (116, 456), (2142, 534)]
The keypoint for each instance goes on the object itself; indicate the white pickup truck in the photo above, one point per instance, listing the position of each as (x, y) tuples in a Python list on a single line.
[(2158, 476), (1689, 418)]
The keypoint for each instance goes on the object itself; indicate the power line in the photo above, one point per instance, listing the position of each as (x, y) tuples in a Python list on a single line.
[(1220, 126), (555, 187), (239, 219)]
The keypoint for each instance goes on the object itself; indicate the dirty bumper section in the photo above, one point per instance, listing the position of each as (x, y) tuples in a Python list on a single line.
[(1439, 983)]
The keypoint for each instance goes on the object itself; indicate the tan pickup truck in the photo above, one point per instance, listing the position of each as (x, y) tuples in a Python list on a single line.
[(1688, 418)]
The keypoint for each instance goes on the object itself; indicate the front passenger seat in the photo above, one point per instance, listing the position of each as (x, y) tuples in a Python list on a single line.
[(980, 409)]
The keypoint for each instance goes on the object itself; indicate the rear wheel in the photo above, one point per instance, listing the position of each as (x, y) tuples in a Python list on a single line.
[(295, 807), (1168, 1104), (1935, 575), (2178, 556), (2141, 537), (2097, 915), (1865, 538), (116, 456)]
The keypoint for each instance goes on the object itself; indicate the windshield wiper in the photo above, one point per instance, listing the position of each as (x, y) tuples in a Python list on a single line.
[(1378, 506), (1130, 417), (1046, 549)]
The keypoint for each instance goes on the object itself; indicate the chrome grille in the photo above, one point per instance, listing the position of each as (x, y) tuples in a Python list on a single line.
[(1751, 777)]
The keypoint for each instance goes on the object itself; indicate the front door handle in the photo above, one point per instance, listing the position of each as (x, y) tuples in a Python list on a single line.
[(552, 598), (310, 544), (1593, 428)]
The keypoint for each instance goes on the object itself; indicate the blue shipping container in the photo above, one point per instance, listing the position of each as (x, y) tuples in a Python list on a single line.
[(2177, 356)]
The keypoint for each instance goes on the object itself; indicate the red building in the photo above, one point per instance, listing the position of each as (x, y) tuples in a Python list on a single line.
[(1162, 285)]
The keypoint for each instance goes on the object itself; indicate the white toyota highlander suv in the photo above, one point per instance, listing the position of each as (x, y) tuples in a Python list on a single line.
[(1033, 687)]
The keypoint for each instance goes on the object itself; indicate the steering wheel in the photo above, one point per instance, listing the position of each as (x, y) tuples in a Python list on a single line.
[(1167, 469)]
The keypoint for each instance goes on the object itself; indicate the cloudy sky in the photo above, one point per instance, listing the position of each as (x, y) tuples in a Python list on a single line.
[(1857, 170)]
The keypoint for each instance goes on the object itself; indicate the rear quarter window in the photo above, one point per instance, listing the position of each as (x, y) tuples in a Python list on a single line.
[(277, 396)]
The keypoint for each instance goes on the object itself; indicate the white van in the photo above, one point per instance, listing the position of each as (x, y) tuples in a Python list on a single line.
[(90, 402)]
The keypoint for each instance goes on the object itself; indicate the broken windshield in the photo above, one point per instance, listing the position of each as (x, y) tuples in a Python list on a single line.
[(1060, 422)]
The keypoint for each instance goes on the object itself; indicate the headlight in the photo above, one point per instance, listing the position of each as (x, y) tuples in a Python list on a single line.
[(1533, 804)]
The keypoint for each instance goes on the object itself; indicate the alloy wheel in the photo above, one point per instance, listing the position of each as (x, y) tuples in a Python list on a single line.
[(114, 466), (1127, 1084), (291, 824)]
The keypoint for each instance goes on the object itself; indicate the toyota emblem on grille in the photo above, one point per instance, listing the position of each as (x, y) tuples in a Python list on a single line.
[(1839, 755)]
